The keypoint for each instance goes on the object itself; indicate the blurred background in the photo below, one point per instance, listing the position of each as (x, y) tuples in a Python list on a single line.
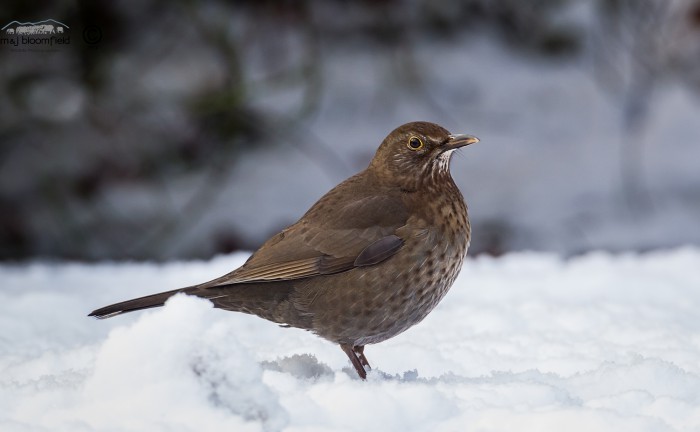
[(178, 129)]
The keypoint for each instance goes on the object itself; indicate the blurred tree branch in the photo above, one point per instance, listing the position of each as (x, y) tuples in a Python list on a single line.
[(177, 92)]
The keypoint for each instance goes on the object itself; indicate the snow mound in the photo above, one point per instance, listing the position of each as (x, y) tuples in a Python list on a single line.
[(523, 342)]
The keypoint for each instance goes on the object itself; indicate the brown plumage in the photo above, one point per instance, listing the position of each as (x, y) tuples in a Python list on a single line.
[(369, 260)]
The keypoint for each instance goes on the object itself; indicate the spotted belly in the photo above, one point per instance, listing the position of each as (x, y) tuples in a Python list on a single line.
[(372, 304)]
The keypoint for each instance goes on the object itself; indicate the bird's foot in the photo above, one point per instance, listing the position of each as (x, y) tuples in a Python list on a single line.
[(360, 352), (358, 359)]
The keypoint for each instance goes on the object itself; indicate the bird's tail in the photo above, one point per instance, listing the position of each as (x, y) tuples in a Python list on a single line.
[(140, 303), (267, 300)]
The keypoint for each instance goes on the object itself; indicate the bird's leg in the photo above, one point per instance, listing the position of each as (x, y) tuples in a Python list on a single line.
[(360, 351), (352, 355)]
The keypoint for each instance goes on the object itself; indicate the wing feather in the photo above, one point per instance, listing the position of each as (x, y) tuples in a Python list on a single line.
[(335, 235)]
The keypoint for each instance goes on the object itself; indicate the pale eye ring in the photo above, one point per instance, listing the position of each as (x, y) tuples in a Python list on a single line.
[(415, 143)]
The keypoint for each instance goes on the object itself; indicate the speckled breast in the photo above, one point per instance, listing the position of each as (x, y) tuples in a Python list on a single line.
[(372, 304)]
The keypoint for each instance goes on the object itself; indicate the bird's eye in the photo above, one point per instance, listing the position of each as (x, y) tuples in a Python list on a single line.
[(415, 143)]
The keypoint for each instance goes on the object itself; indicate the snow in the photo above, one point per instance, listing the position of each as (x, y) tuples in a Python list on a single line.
[(527, 341)]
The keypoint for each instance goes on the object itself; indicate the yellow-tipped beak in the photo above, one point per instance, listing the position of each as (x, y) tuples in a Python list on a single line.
[(461, 140)]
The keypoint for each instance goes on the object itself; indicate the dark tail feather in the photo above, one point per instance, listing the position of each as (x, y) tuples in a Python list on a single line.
[(269, 300), (140, 303)]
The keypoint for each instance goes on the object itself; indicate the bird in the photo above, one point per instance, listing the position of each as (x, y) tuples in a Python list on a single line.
[(370, 259)]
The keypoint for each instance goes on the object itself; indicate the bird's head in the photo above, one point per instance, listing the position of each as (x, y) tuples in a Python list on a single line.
[(417, 153)]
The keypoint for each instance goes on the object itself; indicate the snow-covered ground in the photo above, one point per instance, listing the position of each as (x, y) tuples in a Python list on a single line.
[(523, 342)]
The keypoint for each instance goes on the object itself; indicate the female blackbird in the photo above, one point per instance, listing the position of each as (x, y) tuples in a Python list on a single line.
[(369, 260)]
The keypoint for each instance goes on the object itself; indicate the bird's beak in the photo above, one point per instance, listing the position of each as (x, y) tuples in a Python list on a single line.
[(460, 140)]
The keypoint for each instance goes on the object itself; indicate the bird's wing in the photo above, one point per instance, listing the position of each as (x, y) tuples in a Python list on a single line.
[(333, 237)]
